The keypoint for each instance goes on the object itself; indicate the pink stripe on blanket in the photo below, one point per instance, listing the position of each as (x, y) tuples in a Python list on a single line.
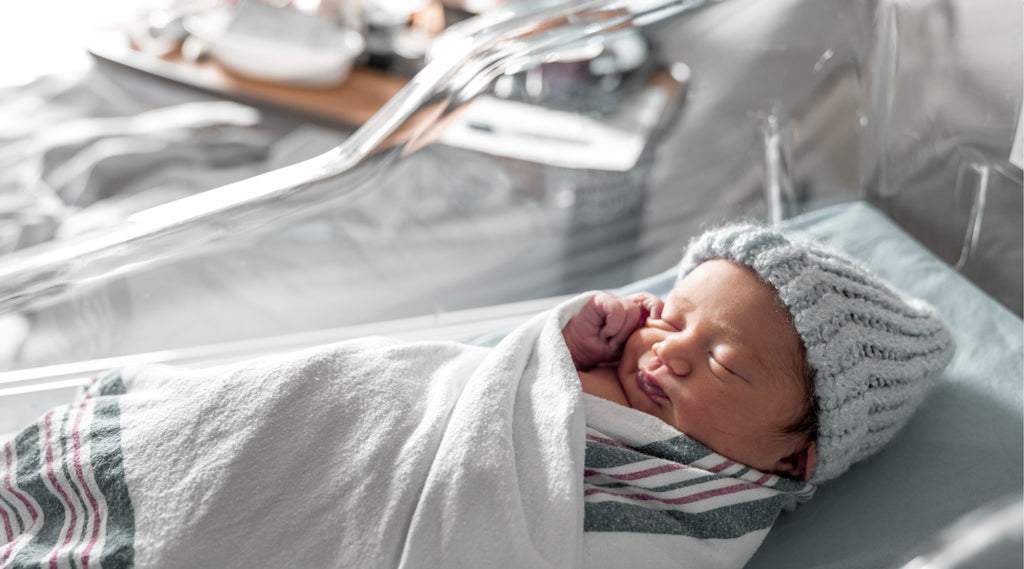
[(689, 499), (52, 476), (26, 532), (726, 464), (8, 528), (77, 459), (8, 533), (10, 488), (648, 472), (606, 441)]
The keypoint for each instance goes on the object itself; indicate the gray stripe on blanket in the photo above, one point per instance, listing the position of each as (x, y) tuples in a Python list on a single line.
[(722, 523), (682, 450), (119, 548)]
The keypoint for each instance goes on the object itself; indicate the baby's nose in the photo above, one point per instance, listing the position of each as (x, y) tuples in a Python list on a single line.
[(672, 354)]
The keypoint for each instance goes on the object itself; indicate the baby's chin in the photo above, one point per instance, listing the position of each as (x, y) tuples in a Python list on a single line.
[(634, 396), (603, 382)]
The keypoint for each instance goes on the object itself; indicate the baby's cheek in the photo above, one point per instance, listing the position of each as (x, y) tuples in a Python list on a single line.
[(640, 339), (631, 352)]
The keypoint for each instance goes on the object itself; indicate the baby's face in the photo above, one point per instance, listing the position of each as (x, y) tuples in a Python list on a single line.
[(721, 365)]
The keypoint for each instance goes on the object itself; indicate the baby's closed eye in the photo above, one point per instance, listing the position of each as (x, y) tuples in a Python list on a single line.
[(722, 365)]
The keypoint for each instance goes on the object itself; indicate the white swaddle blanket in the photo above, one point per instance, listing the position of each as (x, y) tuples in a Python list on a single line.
[(374, 453)]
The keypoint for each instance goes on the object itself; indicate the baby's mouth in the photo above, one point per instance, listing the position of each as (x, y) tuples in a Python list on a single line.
[(650, 386)]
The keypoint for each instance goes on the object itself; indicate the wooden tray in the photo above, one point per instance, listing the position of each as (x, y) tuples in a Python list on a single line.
[(351, 103)]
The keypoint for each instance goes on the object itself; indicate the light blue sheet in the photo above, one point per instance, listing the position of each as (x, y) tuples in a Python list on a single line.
[(964, 447)]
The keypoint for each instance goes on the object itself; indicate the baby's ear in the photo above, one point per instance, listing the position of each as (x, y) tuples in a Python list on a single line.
[(799, 465)]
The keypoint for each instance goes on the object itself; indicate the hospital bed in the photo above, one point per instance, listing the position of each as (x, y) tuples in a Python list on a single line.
[(514, 170)]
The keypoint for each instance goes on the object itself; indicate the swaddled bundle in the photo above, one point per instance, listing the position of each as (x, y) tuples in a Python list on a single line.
[(374, 453)]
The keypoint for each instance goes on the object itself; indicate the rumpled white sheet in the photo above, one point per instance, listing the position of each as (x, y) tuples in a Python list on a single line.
[(362, 454)]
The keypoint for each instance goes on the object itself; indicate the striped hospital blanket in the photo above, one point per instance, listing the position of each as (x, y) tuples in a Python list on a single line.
[(651, 491)]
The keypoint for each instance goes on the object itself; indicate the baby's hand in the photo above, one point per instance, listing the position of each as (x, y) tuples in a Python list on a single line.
[(597, 333)]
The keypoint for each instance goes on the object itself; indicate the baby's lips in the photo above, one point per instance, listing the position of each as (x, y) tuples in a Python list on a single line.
[(649, 385)]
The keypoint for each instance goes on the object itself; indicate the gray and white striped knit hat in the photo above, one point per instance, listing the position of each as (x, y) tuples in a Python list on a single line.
[(874, 353)]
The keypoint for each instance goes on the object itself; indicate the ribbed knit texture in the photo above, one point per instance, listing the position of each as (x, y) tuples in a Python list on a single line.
[(874, 353)]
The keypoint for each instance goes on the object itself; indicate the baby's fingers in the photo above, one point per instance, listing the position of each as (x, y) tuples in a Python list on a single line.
[(652, 305)]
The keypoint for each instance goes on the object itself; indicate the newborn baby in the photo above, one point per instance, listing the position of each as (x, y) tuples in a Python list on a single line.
[(775, 353)]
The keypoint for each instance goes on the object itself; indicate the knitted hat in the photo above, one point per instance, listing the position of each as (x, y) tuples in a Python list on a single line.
[(874, 354)]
